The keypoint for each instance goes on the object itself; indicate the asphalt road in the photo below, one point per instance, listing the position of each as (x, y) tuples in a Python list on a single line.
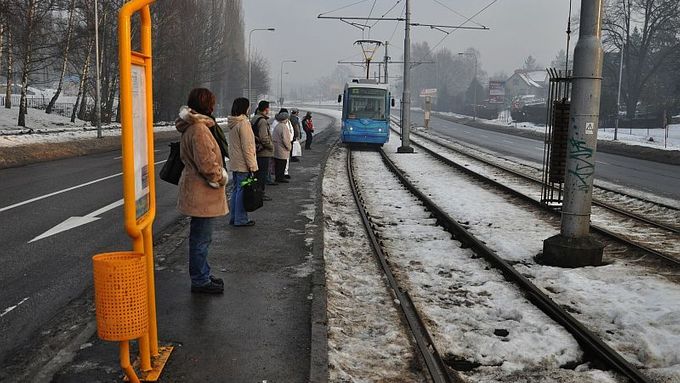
[(648, 176), (39, 278)]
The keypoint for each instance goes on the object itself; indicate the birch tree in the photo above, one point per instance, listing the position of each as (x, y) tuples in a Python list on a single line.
[(67, 46)]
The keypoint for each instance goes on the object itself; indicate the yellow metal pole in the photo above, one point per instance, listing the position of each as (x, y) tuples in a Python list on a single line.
[(125, 362), (147, 231)]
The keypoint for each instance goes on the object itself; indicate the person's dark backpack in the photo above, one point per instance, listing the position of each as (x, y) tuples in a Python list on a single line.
[(258, 145)]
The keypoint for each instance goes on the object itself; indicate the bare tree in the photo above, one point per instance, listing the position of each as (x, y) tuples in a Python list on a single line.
[(83, 80), (69, 32), (10, 72), (648, 34)]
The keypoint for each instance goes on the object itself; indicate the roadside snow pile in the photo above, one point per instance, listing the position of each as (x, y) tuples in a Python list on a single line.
[(45, 128)]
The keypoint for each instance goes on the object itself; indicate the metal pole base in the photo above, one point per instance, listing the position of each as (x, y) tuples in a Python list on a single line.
[(571, 252), (404, 149)]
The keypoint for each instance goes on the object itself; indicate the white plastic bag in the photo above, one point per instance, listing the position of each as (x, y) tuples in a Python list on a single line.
[(297, 149)]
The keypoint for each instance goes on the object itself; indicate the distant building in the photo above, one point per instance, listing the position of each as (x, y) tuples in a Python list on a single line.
[(527, 83)]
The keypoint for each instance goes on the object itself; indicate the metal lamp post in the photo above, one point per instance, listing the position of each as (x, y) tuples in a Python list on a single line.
[(281, 79), (475, 79), (98, 104), (250, 61)]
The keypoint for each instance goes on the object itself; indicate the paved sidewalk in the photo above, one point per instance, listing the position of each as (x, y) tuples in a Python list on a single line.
[(261, 328)]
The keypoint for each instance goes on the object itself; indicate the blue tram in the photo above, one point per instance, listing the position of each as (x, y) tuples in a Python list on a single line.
[(365, 112)]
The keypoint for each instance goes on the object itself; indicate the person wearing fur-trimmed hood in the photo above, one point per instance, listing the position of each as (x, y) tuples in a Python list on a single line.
[(201, 186)]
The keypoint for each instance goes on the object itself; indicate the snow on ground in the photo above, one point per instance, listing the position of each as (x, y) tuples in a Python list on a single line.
[(632, 308), (367, 341), (662, 240), (50, 128), (465, 302), (536, 171), (638, 137)]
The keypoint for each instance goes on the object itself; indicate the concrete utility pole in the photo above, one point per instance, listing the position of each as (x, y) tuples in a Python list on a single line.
[(406, 97), (98, 103), (387, 59), (574, 246), (618, 97)]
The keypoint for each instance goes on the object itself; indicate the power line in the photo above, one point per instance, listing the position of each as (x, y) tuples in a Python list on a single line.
[(455, 12), (449, 33), (369, 16), (346, 6)]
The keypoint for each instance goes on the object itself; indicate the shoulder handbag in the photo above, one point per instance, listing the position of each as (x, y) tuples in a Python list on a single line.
[(172, 169)]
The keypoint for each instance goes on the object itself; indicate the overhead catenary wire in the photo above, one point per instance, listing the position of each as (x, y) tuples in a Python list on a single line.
[(343, 7), (456, 12), (449, 33), (370, 13)]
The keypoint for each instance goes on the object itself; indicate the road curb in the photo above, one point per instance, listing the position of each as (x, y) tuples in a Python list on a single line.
[(22, 155), (318, 361)]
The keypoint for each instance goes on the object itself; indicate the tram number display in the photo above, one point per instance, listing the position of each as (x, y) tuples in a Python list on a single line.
[(367, 92)]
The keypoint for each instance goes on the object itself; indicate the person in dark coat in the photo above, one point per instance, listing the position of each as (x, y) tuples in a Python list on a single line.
[(308, 127), (295, 121), (263, 143)]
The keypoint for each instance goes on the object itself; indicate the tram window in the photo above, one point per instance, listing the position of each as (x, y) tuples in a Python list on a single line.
[(367, 104)]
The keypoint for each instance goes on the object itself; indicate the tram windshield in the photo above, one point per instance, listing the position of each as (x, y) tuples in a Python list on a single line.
[(367, 103)]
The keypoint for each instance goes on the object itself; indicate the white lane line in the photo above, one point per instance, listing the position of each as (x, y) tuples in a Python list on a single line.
[(603, 163), (508, 141), (10, 207), (10, 308), (73, 222)]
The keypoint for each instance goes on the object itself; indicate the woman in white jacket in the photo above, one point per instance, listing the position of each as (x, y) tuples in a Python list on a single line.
[(282, 138)]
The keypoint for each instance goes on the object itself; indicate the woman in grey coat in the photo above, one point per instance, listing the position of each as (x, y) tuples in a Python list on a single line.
[(282, 145)]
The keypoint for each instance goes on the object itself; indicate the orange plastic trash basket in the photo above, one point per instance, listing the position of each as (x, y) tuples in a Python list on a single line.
[(120, 295)]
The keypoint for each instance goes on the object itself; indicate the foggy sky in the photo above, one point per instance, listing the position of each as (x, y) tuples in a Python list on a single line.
[(518, 28)]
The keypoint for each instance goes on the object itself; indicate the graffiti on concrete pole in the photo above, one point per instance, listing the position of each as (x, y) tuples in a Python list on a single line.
[(584, 167)]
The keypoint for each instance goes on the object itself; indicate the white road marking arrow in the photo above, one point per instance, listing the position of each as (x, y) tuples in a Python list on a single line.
[(74, 222)]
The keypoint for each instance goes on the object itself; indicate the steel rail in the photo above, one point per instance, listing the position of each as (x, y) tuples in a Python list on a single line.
[(604, 188), (433, 361), (516, 173), (590, 342), (603, 231)]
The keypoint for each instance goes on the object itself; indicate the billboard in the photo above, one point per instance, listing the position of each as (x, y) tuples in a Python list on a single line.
[(496, 92)]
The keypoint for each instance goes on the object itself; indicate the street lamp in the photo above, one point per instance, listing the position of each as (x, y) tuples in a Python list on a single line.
[(250, 61), (98, 102), (281, 78), (475, 90)]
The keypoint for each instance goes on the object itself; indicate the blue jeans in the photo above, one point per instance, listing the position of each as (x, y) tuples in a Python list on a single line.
[(200, 237), (237, 212)]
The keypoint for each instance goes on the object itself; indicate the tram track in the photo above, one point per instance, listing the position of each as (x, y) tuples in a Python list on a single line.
[(436, 367), (660, 239), (595, 348)]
